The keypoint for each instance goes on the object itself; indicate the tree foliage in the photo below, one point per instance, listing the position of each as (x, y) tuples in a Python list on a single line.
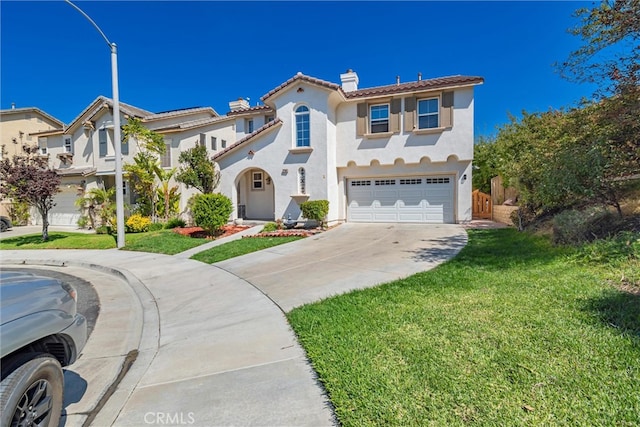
[(146, 139), (198, 170), (485, 164), (28, 178), (559, 159), (610, 52), (145, 170)]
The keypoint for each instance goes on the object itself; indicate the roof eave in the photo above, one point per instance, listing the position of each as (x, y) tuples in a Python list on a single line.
[(258, 133)]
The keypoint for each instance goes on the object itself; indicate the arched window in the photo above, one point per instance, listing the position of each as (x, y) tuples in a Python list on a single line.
[(302, 126), (302, 181)]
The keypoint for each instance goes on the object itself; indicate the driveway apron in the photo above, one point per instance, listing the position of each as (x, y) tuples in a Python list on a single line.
[(351, 256)]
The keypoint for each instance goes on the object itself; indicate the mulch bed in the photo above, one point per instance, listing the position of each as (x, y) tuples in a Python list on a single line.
[(229, 229), (199, 233)]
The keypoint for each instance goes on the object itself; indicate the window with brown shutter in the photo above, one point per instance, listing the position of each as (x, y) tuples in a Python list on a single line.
[(361, 120), (446, 112), (409, 114), (394, 117)]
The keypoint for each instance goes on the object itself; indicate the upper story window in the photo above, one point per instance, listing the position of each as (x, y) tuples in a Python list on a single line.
[(68, 145), (249, 125), (42, 145), (379, 118), (268, 119), (428, 110), (214, 143), (165, 159), (102, 142), (303, 134), (203, 140)]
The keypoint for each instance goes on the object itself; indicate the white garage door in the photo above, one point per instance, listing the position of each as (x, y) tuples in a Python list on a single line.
[(426, 199), (65, 211)]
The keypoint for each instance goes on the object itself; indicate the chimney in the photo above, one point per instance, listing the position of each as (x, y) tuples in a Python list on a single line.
[(13, 105), (240, 104), (349, 81), (419, 76), (397, 80)]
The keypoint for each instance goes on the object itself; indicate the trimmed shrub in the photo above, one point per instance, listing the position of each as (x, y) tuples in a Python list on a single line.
[(103, 229), (211, 211), (137, 223), (175, 222), (155, 226), (315, 209), (83, 221), (269, 227)]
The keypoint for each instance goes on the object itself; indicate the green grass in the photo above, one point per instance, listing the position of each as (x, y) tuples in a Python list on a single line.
[(60, 240), (240, 247), (508, 333), (163, 241)]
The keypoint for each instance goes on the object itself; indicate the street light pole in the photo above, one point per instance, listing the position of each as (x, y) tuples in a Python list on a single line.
[(116, 130)]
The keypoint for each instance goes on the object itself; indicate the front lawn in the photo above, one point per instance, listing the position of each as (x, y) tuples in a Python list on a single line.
[(59, 240), (165, 242), (510, 332), (162, 241), (240, 247)]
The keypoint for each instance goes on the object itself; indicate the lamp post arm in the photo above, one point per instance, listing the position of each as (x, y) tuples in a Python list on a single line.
[(90, 20)]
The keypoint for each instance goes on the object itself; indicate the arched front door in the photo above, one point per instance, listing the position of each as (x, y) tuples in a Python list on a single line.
[(255, 196)]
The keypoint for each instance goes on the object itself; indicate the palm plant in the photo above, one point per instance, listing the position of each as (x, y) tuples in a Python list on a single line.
[(98, 202)]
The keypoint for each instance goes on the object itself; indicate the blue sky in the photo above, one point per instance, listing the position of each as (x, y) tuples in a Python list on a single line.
[(206, 53)]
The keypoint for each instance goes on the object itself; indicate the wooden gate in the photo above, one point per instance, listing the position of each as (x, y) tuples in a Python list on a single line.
[(481, 205)]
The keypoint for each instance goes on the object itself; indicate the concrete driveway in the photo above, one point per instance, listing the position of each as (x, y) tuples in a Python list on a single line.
[(209, 347), (351, 256)]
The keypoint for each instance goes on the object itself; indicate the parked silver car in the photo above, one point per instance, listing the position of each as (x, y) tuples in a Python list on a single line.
[(40, 332), (5, 223)]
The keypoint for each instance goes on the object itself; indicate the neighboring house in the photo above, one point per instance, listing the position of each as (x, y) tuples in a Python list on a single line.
[(17, 127), (83, 153), (396, 153)]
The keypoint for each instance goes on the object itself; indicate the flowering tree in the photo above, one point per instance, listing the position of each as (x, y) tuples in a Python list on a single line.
[(28, 178)]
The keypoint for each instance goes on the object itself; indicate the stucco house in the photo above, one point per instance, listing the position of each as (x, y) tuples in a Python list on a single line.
[(83, 153), (396, 153), (17, 127)]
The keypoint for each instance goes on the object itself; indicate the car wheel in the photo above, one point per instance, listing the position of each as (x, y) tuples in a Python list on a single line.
[(3, 226), (32, 394)]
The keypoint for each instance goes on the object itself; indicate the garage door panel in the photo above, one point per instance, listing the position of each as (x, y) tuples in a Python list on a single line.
[(401, 199), (65, 211)]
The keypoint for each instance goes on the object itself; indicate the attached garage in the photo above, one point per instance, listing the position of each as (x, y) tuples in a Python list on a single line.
[(418, 199), (65, 212)]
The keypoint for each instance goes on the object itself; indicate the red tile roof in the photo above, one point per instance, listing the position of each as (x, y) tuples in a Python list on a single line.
[(436, 83), (304, 78), (272, 124), (249, 110)]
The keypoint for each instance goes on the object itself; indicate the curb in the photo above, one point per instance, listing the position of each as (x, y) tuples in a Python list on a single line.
[(142, 340)]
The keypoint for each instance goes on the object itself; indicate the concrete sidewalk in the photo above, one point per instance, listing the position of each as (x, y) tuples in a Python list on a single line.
[(210, 346)]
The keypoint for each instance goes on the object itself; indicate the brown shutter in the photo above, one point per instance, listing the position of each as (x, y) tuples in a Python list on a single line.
[(396, 108), (446, 112), (409, 114), (361, 121)]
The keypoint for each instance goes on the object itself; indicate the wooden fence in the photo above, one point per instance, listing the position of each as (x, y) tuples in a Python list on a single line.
[(481, 205)]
